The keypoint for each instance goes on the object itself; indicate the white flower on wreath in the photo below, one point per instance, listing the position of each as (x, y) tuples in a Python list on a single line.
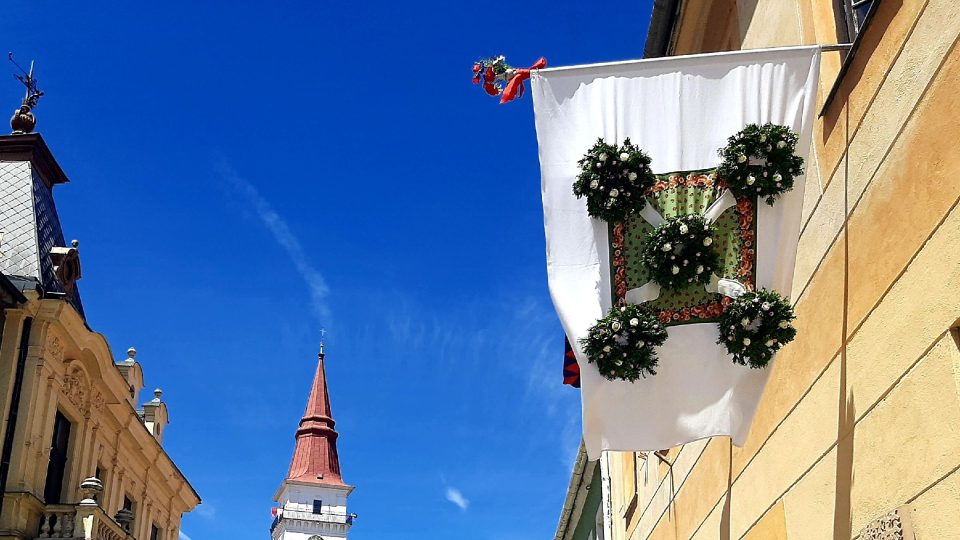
[(746, 341), (614, 192), (632, 177), (784, 324), (741, 158), (751, 180), (616, 326), (594, 184), (602, 157), (700, 269), (634, 321), (684, 229), (707, 241), (744, 322), (675, 270), (765, 306), (770, 343), (641, 344), (624, 156), (781, 144), (606, 349), (666, 247), (777, 177)]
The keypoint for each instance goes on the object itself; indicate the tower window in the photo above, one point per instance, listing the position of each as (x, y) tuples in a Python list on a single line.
[(317, 506)]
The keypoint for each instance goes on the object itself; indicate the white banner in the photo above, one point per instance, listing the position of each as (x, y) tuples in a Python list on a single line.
[(680, 111)]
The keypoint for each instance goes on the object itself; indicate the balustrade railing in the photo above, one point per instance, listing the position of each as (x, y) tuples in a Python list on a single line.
[(58, 521), (326, 517), (79, 522)]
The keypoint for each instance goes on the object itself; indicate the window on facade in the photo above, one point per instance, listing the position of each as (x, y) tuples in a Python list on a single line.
[(155, 532), (57, 467), (98, 474), (128, 518), (317, 506), (630, 484), (855, 12)]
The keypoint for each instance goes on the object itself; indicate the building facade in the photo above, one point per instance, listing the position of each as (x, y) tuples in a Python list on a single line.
[(857, 432), (312, 499), (585, 513), (81, 456)]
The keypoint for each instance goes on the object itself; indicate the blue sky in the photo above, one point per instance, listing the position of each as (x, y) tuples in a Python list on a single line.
[(244, 173)]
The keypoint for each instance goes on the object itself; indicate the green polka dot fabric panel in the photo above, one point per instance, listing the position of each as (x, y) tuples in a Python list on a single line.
[(677, 194)]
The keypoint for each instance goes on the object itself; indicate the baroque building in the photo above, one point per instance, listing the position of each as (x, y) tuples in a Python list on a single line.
[(312, 499), (82, 456), (856, 434)]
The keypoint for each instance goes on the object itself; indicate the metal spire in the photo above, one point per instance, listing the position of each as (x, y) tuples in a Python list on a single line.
[(23, 120)]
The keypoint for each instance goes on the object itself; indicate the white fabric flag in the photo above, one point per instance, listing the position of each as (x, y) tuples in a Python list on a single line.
[(680, 111)]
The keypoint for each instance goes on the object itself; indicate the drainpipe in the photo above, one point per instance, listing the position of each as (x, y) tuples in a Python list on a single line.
[(14, 408)]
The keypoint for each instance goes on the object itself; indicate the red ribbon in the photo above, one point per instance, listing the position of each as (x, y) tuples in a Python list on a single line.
[(514, 88), (489, 77)]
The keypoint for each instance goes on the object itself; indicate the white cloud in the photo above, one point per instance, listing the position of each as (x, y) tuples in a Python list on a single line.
[(207, 510), (457, 498), (183, 536), (281, 232)]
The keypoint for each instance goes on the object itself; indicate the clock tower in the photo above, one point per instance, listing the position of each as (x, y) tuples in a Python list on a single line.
[(313, 498)]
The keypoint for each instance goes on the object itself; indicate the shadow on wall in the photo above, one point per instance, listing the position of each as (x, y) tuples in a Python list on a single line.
[(846, 416), (852, 73), (745, 10)]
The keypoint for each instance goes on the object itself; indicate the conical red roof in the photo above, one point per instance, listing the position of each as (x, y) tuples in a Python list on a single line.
[(315, 459)]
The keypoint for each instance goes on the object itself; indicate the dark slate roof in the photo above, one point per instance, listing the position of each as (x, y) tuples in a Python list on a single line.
[(28, 214)]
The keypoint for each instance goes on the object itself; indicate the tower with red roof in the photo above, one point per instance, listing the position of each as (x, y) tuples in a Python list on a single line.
[(313, 497)]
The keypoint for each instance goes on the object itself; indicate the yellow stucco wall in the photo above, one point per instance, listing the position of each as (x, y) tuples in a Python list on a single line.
[(71, 370), (862, 412)]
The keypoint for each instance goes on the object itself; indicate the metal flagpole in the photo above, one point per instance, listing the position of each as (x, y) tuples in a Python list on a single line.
[(821, 48)]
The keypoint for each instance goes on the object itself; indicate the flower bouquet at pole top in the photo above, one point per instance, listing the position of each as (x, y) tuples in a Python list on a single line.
[(500, 79)]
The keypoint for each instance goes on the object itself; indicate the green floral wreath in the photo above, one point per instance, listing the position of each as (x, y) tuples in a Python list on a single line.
[(623, 343), (680, 252), (755, 326), (614, 179), (759, 161)]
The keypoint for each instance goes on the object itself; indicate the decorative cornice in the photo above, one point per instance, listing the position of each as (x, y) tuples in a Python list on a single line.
[(31, 147)]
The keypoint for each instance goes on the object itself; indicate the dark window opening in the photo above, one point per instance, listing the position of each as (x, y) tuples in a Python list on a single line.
[(127, 515), (99, 476), (855, 12), (154, 532), (317, 506), (57, 467)]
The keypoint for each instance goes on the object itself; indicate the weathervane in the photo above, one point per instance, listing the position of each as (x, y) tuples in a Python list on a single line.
[(323, 332), (23, 121)]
